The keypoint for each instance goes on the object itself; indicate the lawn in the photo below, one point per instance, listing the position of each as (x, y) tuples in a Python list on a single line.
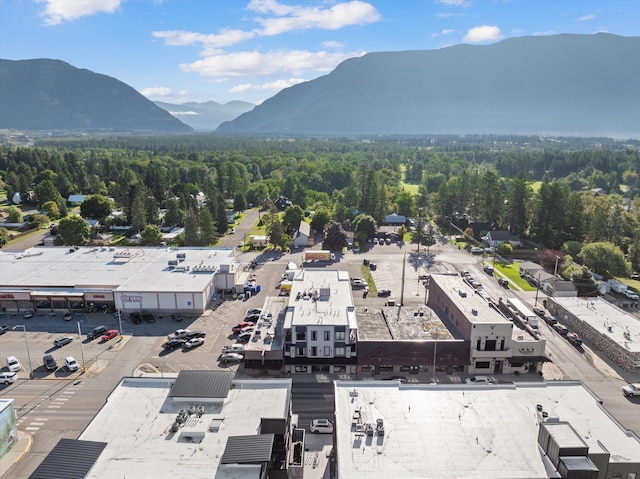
[(512, 272)]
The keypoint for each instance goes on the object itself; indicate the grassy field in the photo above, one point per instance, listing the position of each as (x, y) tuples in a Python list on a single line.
[(512, 272)]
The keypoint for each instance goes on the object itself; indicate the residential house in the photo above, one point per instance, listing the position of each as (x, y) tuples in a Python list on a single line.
[(303, 236), (496, 238)]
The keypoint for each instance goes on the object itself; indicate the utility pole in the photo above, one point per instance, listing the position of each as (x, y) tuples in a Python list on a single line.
[(404, 265)]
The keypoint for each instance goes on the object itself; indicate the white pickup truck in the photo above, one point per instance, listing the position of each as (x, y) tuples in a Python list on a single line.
[(631, 390)]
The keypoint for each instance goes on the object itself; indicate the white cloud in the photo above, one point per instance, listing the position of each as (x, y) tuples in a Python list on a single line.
[(270, 86), (482, 33), (225, 38), (446, 31), (298, 17), (332, 44), (586, 18), (58, 11), (459, 3), (544, 33), (184, 113), (256, 64), (157, 92)]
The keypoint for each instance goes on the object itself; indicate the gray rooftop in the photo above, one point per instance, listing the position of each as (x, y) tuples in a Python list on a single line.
[(453, 431), (400, 323), (127, 269), (135, 423), (320, 297), (607, 319), (467, 299)]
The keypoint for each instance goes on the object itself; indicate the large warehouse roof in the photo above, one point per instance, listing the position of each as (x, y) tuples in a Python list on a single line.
[(452, 431), (125, 269)]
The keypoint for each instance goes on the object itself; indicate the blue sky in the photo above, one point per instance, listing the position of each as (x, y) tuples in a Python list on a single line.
[(222, 50)]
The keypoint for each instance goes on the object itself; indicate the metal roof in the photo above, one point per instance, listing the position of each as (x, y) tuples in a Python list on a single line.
[(70, 458), (248, 449), (202, 384)]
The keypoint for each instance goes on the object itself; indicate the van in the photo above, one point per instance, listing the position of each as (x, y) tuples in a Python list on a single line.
[(96, 332), (7, 377), (562, 330)]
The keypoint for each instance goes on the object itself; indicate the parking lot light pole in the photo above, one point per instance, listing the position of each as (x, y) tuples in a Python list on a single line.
[(26, 342), (120, 324), (84, 370)]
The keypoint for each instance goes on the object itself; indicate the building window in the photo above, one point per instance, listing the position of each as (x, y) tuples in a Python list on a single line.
[(366, 368), (502, 345), (478, 344), (327, 335), (340, 335), (482, 365), (300, 351), (314, 351), (327, 351), (339, 351), (314, 335), (301, 335), (490, 345)]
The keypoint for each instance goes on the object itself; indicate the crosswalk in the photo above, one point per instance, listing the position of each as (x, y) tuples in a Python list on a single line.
[(47, 409)]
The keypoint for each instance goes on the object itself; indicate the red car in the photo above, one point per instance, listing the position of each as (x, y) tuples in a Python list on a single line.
[(241, 325), (112, 333)]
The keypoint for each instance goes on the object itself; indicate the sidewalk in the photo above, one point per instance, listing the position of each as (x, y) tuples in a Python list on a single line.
[(16, 452)]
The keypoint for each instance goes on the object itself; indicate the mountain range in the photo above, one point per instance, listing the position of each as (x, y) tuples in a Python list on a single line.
[(558, 85), (46, 94), (206, 116)]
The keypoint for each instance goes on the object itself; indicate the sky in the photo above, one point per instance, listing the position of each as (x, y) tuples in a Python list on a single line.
[(181, 51)]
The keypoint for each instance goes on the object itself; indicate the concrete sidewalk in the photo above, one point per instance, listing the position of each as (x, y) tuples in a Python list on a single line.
[(16, 452)]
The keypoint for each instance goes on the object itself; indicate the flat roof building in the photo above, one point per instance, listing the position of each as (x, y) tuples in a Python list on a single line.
[(127, 279), (526, 430), (200, 424)]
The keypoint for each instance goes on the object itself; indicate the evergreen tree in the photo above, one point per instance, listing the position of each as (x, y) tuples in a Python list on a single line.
[(138, 217), (207, 228), (190, 229), (335, 239), (220, 209)]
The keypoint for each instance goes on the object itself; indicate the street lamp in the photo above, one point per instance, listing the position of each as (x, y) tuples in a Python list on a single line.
[(435, 347), (26, 342), (84, 370), (120, 323)]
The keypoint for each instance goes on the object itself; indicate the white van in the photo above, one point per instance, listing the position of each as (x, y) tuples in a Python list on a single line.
[(7, 377)]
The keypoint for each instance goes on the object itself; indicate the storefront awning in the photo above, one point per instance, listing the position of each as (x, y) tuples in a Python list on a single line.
[(530, 359)]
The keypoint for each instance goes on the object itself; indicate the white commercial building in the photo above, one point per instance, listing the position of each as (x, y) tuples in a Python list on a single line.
[(127, 279), (527, 430)]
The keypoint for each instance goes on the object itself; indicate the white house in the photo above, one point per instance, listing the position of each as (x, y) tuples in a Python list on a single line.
[(496, 238), (303, 236)]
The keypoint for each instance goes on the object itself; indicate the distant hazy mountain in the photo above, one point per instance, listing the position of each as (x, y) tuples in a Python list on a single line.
[(560, 84), (46, 94), (206, 116)]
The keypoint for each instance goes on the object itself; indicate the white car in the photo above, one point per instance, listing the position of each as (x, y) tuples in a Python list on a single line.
[(193, 343), (631, 390), (478, 380), (178, 334), (13, 364), (71, 363), (231, 358), (321, 426)]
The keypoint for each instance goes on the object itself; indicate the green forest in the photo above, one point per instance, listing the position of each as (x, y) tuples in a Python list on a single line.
[(570, 195)]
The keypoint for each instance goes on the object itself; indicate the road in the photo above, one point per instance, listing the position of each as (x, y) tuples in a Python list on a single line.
[(58, 405)]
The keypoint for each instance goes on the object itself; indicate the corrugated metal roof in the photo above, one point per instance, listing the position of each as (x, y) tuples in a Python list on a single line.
[(202, 384), (248, 449), (70, 458)]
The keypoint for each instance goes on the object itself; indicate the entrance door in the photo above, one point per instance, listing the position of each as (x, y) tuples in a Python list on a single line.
[(497, 368)]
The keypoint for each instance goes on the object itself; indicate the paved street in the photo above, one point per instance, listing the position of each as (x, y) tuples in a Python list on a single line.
[(60, 404)]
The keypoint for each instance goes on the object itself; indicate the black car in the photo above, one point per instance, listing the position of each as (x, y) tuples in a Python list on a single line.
[(384, 292), (174, 343), (148, 317), (503, 282), (176, 317), (195, 334), (135, 318), (96, 332), (538, 311), (49, 362)]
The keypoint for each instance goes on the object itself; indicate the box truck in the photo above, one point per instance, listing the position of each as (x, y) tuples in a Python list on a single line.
[(319, 255)]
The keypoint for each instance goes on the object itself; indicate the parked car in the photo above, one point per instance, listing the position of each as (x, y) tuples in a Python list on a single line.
[(538, 311), (173, 344), (195, 334), (574, 339), (251, 311), (135, 318), (194, 343), (478, 380), (176, 317), (560, 329), (50, 363), (503, 282), (96, 332), (7, 377), (71, 364), (62, 340), (631, 390), (13, 364), (384, 292), (231, 358), (178, 334), (4, 329), (67, 316), (321, 426), (245, 336), (241, 325), (27, 314), (550, 320), (148, 317), (112, 333)]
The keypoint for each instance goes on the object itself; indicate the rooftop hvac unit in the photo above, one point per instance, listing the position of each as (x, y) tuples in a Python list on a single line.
[(181, 256), (474, 312), (173, 262)]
